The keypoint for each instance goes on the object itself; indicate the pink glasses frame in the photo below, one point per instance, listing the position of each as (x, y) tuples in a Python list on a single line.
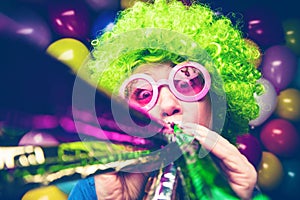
[(170, 83)]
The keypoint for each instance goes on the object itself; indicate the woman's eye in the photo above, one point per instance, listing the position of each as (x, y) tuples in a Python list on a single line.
[(141, 96)]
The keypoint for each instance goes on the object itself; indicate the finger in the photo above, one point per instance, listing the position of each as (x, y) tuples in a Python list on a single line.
[(202, 134), (213, 142), (242, 184), (243, 192), (237, 178), (210, 140)]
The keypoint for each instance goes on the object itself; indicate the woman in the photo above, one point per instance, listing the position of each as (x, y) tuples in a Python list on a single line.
[(177, 63)]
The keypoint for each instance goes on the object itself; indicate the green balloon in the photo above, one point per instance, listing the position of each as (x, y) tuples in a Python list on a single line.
[(292, 34)]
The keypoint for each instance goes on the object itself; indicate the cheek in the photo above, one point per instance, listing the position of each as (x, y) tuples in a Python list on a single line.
[(198, 112), (205, 118)]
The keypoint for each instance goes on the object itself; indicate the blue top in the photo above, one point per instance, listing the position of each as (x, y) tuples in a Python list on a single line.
[(84, 190)]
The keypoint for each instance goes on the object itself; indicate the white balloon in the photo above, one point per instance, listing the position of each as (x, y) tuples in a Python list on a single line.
[(267, 102)]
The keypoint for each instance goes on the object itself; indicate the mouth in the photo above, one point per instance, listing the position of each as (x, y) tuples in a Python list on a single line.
[(174, 133), (169, 126), (171, 123)]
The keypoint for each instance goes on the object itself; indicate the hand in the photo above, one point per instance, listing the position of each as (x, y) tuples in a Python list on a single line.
[(119, 186), (240, 172)]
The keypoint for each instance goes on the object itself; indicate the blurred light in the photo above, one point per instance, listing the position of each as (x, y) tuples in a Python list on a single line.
[(25, 31), (68, 13), (259, 31), (23, 161), (58, 21), (291, 174), (68, 55), (277, 131), (276, 63), (290, 32)]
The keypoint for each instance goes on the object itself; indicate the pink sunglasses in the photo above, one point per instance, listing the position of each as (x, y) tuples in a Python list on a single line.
[(188, 81)]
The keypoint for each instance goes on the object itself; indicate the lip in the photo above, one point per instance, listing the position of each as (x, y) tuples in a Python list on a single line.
[(169, 126), (172, 122)]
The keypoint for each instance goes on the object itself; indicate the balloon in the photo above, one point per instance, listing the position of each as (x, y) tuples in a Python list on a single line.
[(187, 2), (49, 193), (279, 66), (38, 138), (266, 102), (129, 3), (292, 34), (45, 121), (296, 82), (98, 5), (66, 186), (263, 27), (26, 25), (250, 147), (104, 22), (280, 137), (270, 172), (291, 180), (69, 19), (69, 51), (257, 61), (288, 106)]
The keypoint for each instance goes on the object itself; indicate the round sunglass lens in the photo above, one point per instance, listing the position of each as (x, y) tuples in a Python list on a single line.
[(189, 81)]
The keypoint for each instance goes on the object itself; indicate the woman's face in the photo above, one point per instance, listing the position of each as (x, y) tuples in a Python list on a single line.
[(171, 109)]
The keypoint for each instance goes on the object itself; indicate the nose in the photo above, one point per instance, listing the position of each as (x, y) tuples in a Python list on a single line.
[(168, 104)]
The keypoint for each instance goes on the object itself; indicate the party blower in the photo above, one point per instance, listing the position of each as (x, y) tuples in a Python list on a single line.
[(89, 140)]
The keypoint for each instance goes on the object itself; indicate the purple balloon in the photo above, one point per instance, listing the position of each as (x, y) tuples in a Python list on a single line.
[(7, 24), (28, 26), (38, 138), (279, 66), (98, 5), (250, 147), (263, 27), (70, 19)]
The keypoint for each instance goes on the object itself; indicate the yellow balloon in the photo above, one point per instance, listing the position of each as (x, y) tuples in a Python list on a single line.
[(258, 60), (270, 172), (288, 104), (129, 3), (70, 51), (49, 193)]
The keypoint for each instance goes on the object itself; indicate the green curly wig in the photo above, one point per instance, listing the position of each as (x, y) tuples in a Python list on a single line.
[(171, 31)]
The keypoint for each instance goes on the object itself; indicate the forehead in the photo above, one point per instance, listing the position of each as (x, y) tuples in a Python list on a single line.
[(155, 70)]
